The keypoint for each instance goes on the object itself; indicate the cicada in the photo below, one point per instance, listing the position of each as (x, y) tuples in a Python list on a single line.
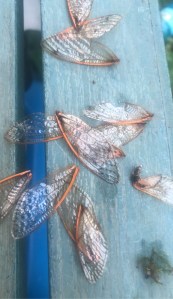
[(11, 189), (158, 186), (77, 44)]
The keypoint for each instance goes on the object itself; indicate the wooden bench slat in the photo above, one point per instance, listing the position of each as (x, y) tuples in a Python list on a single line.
[(126, 216), (10, 17)]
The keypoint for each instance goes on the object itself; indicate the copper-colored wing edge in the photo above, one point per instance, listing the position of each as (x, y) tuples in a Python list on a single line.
[(76, 171), (119, 152), (48, 50), (20, 174)]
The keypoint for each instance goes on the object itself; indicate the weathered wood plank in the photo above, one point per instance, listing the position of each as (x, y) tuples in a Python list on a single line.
[(127, 217), (10, 16)]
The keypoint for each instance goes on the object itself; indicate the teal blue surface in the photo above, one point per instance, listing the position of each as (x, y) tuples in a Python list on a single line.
[(126, 215), (36, 244), (10, 96)]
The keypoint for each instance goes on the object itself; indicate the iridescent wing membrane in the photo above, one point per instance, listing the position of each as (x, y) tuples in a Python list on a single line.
[(91, 147), (74, 47), (11, 189), (68, 210), (79, 10), (76, 44), (92, 246), (159, 186), (120, 135), (34, 128), (77, 214), (39, 202), (125, 115)]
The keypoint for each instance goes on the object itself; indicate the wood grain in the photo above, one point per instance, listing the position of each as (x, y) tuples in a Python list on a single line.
[(126, 216), (10, 17)]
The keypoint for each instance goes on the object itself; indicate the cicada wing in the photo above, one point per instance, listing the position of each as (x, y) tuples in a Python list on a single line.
[(92, 246), (91, 147), (39, 202), (34, 128), (125, 115), (79, 10), (121, 135), (11, 189), (68, 210), (97, 27), (159, 186), (72, 46)]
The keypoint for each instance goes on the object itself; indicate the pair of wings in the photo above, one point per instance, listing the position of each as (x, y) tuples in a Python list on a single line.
[(58, 193), (41, 201), (128, 114), (85, 231), (38, 127), (159, 186), (90, 146), (76, 44), (122, 125)]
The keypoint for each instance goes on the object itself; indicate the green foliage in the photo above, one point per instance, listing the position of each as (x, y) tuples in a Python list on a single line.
[(165, 2), (169, 54), (169, 45), (154, 262)]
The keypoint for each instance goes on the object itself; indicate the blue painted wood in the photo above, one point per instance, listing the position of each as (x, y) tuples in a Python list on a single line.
[(10, 77), (126, 215), (36, 244)]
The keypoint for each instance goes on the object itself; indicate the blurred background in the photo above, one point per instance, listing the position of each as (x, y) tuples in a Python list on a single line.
[(166, 7)]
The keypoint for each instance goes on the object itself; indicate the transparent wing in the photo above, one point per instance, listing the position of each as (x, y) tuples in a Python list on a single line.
[(39, 202), (79, 10), (35, 128), (97, 27), (91, 147), (121, 135), (125, 115), (11, 189), (68, 210), (158, 186), (72, 46), (92, 246)]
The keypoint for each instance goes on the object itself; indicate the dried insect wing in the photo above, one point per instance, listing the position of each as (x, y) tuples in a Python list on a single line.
[(158, 186), (39, 202), (125, 115), (78, 217), (92, 246), (68, 210), (90, 147), (74, 47), (97, 27), (76, 44), (34, 128), (79, 10), (11, 189), (121, 135)]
